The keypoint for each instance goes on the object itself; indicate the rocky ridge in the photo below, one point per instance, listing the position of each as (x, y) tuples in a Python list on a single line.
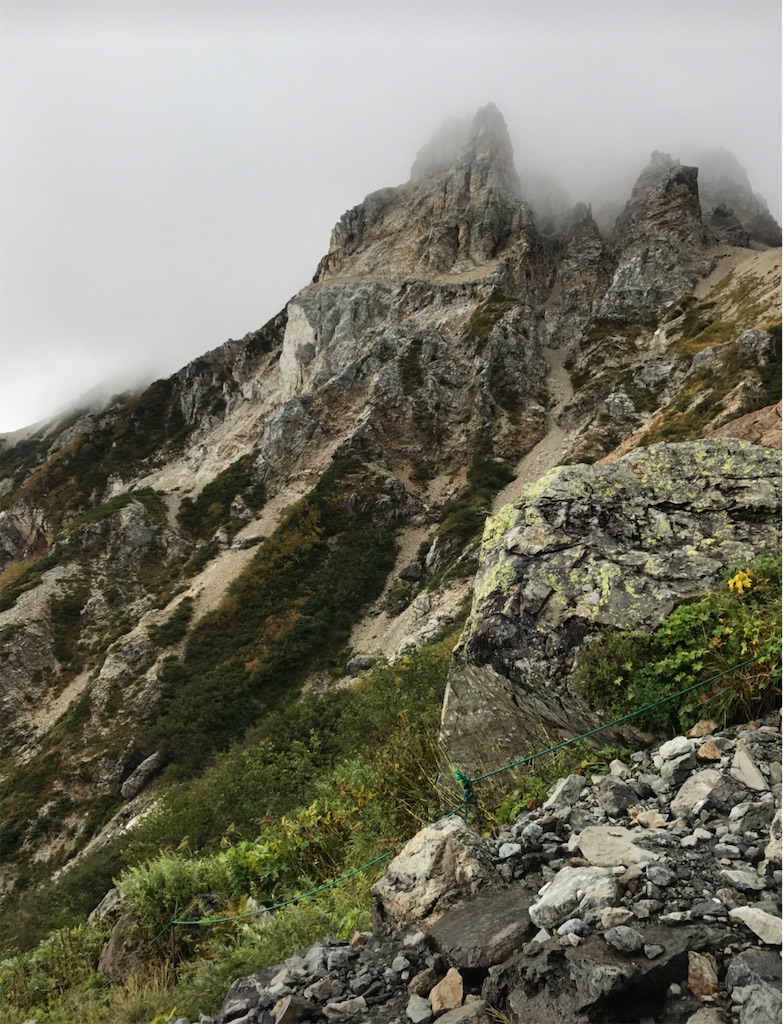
[(647, 894)]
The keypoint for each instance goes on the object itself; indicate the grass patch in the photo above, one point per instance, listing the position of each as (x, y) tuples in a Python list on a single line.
[(486, 316), (289, 613)]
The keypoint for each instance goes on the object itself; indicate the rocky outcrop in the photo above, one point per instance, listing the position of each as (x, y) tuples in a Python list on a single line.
[(581, 280), (661, 243), (666, 910), (23, 533), (724, 184), (587, 547), (452, 216), (760, 427)]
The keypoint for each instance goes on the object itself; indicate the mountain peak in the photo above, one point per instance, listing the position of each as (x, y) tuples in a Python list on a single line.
[(461, 209), (481, 142)]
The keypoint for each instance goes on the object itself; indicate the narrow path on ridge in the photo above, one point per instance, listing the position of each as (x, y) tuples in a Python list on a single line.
[(550, 449)]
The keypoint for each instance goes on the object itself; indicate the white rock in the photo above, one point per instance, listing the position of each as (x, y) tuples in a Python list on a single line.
[(575, 892), (675, 748), (610, 845), (695, 790), (768, 927), (745, 770)]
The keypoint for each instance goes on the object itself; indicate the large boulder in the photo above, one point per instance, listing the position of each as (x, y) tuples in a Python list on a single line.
[(443, 865), (586, 547)]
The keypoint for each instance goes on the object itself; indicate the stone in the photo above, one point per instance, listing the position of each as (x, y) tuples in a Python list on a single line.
[(485, 931), (753, 967), (694, 791), (345, 1008), (359, 663), (575, 892), (619, 769), (564, 794), (608, 845), (705, 1015), (107, 906), (509, 850), (614, 796), (143, 775), (675, 748), (574, 926), (292, 1009), (702, 975), (677, 769), (418, 1010), (745, 881), (727, 794), (704, 727), (441, 866), (746, 771), (648, 818), (448, 993), (660, 873), (624, 939), (421, 983), (772, 851), (750, 817), (471, 1012), (412, 572), (768, 928), (762, 1006), (611, 917), (127, 937), (709, 752)]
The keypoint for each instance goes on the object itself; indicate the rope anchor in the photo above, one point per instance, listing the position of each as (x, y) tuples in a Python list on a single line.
[(467, 791)]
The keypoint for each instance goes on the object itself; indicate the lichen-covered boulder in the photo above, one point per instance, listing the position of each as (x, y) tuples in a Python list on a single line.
[(585, 547)]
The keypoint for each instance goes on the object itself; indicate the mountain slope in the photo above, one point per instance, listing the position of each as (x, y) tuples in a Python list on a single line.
[(179, 563)]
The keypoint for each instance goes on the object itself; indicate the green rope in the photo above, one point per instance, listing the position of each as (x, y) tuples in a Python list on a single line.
[(617, 721), (293, 900), (468, 795)]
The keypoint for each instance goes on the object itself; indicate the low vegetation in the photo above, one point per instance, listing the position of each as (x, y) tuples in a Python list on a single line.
[(625, 670)]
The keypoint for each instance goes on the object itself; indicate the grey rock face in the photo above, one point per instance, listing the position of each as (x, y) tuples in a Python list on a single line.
[(724, 186), (662, 242), (587, 547)]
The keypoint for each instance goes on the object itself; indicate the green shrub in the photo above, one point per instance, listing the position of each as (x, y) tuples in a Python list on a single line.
[(624, 671), (201, 516), (175, 627)]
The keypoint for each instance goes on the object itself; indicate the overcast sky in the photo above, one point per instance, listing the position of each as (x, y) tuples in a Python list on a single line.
[(171, 171)]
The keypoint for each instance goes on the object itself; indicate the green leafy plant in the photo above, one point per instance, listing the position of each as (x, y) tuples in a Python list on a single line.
[(624, 671)]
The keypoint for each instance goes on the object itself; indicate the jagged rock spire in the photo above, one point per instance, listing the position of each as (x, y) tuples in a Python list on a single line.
[(461, 209)]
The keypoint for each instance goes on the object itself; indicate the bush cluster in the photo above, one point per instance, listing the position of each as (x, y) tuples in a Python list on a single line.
[(625, 670)]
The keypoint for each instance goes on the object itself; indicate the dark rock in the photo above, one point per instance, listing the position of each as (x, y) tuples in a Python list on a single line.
[(486, 930), (614, 796), (753, 967)]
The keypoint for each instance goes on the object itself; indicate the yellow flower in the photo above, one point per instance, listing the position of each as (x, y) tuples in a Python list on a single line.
[(741, 582)]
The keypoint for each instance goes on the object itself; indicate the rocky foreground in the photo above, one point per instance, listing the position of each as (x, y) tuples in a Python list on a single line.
[(650, 894)]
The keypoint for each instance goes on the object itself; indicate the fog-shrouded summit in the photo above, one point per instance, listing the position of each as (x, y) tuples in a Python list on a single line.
[(461, 208), (724, 184)]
